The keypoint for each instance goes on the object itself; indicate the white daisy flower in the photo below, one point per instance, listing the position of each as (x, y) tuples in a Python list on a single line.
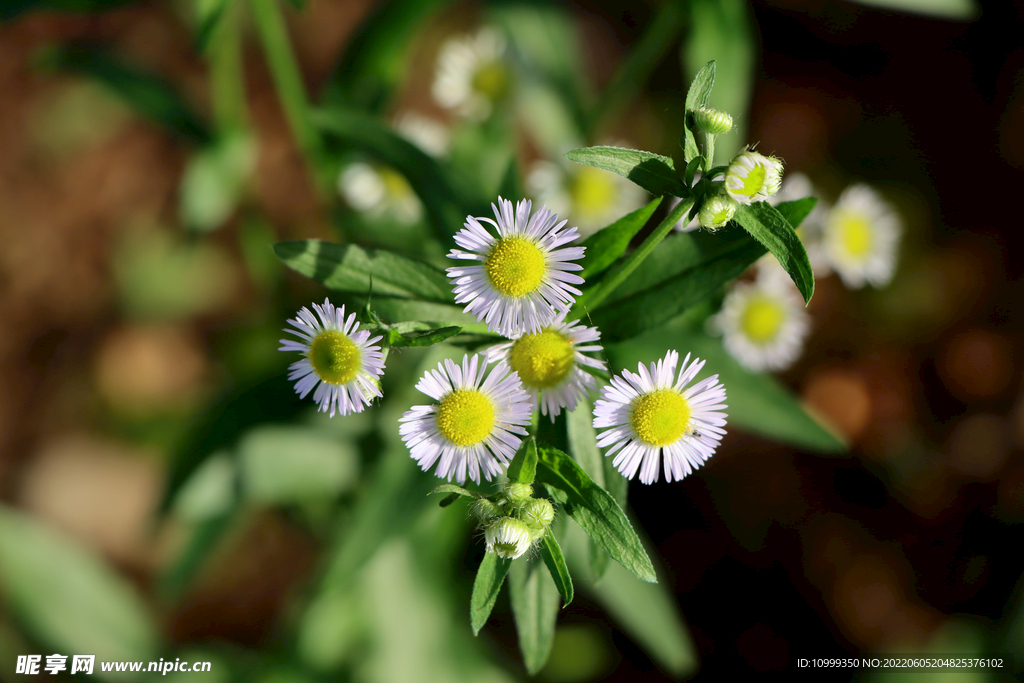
[(341, 361), (753, 177), (861, 234), (473, 425), (508, 537), (472, 74), (592, 197), (550, 363), (524, 280), (653, 413), (379, 191), (428, 134), (764, 323)]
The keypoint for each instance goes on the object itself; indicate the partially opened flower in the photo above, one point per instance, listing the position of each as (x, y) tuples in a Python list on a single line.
[(508, 537), (472, 74), (341, 361), (861, 235), (550, 363), (653, 416), (473, 426), (764, 323), (592, 197), (524, 280), (753, 177)]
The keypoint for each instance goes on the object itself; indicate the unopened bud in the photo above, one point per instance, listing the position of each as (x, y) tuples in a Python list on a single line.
[(485, 510), (713, 121), (716, 212), (517, 494), (538, 515)]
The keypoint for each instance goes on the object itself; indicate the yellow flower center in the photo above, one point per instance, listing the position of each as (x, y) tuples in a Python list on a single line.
[(762, 319), (592, 191), (660, 417), (465, 417), (491, 80), (543, 360), (395, 184), (515, 266), (854, 233), (335, 358), (754, 181)]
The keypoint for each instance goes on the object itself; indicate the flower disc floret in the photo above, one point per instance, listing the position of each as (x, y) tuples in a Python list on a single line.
[(475, 424), (655, 417), (340, 361), (514, 266), (753, 177), (524, 280), (543, 360)]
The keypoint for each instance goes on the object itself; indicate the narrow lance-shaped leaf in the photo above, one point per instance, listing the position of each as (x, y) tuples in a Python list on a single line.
[(604, 247), (523, 468), (653, 172), (349, 268), (427, 337), (699, 95), (582, 440), (486, 587), (534, 601), (595, 511), (770, 228), (551, 553), (455, 492)]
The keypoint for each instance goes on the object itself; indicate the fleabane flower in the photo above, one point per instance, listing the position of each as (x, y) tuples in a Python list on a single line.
[(524, 280), (341, 361), (753, 177), (508, 537), (473, 426), (763, 323), (472, 74), (550, 363), (861, 234), (380, 192), (653, 414), (592, 197)]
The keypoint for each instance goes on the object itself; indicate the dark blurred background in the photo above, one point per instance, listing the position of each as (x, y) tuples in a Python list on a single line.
[(912, 538)]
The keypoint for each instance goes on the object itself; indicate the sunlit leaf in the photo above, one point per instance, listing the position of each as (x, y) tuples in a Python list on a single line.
[(523, 468), (699, 95), (607, 245), (291, 464), (653, 172), (770, 228), (958, 10), (551, 553)]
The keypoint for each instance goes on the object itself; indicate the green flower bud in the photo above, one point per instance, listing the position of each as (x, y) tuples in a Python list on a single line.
[(716, 212), (538, 515), (508, 537), (518, 494), (485, 510), (713, 121)]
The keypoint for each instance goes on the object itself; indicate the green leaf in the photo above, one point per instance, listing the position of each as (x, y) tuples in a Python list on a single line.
[(150, 95), (582, 440), (534, 599), (67, 597), (214, 179), (649, 614), (551, 553), (605, 246), (486, 586), (208, 16), (691, 170), (722, 30), (758, 403), (596, 511), (653, 172), (282, 464), (447, 199), (957, 10), (349, 268), (645, 310), (699, 95), (511, 184), (770, 228), (523, 468), (455, 492), (797, 210), (427, 337)]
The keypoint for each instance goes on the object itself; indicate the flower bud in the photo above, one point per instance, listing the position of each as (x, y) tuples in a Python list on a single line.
[(538, 515), (753, 177), (716, 212), (485, 511), (713, 121), (508, 537), (517, 494)]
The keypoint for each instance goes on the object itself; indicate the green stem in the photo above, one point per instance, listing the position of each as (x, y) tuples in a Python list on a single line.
[(284, 69), (597, 295), (709, 151), (227, 77), (654, 44)]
